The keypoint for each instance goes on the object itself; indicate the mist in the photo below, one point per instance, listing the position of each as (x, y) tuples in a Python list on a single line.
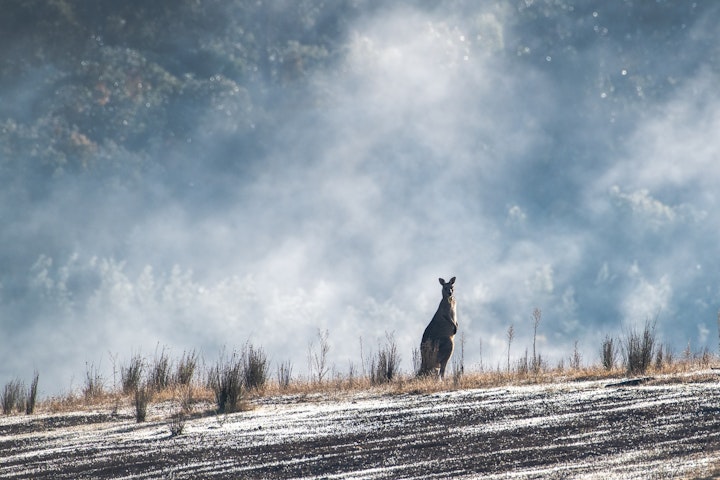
[(261, 172)]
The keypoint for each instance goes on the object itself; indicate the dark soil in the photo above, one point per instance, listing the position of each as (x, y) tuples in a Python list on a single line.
[(525, 432)]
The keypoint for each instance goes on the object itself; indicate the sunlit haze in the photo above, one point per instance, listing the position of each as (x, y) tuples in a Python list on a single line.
[(206, 174)]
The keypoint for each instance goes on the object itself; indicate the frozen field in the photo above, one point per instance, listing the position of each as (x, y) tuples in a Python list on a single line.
[(660, 429)]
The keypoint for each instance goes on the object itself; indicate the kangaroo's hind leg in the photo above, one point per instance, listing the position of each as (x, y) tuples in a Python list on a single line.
[(445, 351)]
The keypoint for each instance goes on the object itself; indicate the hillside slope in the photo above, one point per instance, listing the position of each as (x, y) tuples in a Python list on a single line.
[(662, 428)]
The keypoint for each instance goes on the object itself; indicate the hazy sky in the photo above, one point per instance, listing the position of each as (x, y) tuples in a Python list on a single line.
[(558, 155)]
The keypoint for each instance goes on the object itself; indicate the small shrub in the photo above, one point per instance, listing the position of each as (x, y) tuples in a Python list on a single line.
[(481, 366), (143, 396), (186, 398), (318, 359), (32, 395), (576, 358), (536, 358), (284, 374), (704, 357), (458, 362), (457, 374), (177, 423), (510, 336), (363, 365), (186, 368), (416, 361), (660, 357), (669, 355), (226, 380), (638, 349), (160, 371), (131, 375), (687, 354), (386, 364), (523, 364), (12, 397), (94, 383), (352, 374), (255, 369), (609, 353)]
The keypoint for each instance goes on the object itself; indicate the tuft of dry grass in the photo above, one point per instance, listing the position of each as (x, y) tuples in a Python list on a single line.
[(143, 396), (386, 365), (12, 397), (131, 375), (94, 387), (226, 381), (639, 348), (255, 368)]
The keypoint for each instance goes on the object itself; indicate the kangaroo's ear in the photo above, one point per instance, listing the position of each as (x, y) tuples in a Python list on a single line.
[(452, 280), (442, 282)]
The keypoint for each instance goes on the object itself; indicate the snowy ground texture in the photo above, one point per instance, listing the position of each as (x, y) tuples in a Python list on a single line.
[(659, 429)]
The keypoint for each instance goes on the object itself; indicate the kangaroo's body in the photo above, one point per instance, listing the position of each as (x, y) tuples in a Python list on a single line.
[(438, 343)]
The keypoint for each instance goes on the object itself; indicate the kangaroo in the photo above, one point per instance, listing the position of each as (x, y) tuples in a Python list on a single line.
[(437, 343)]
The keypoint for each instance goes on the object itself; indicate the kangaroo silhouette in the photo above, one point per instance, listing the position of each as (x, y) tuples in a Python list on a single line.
[(438, 343)]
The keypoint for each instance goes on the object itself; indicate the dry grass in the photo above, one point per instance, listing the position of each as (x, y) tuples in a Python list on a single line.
[(692, 372), (688, 369)]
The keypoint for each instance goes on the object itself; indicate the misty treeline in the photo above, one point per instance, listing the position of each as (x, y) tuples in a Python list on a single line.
[(89, 83)]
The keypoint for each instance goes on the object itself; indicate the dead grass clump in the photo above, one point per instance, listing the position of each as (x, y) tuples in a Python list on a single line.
[(186, 367), (458, 361), (94, 387), (131, 375), (318, 358), (522, 366), (143, 396), (159, 375), (576, 358), (255, 368), (31, 397), (177, 423), (12, 397), (226, 381), (638, 349), (609, 353), (385, 365), (284, 374)]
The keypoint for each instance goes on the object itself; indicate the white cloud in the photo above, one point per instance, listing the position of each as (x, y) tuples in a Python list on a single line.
[(516, 215), (679, 146), (603, 275), (674, 148), (541, 281), (642, 204), (646, 299), (489, 32), (703, 334)]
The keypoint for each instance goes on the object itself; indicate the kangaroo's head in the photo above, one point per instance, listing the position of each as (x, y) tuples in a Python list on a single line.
[(447, 291)]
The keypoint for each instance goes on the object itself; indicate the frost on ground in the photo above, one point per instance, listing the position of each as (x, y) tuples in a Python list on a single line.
[(580, 430)]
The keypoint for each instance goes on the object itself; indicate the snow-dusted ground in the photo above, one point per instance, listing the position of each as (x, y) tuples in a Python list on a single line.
[(662, 429)]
